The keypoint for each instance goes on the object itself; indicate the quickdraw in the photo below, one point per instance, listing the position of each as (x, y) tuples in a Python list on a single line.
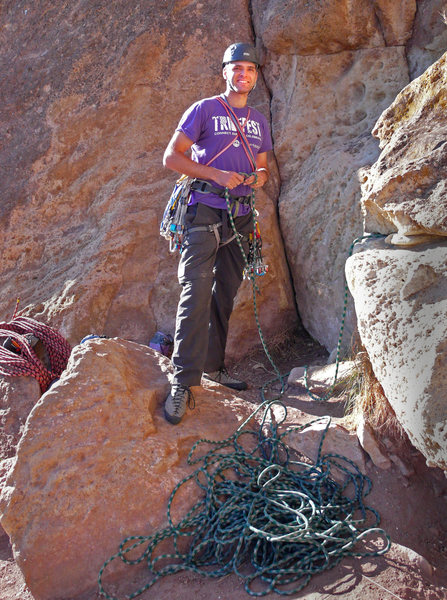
[(255, 262), (172, 226)]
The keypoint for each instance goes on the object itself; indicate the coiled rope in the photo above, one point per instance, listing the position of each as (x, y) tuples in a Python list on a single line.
[(26, 362), (263, 514)]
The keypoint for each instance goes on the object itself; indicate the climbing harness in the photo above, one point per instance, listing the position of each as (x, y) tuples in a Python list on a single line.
[(18, 356), (330, 391), (263, 513)]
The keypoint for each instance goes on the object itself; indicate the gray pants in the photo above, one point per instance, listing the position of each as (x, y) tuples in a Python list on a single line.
[(210, 275)]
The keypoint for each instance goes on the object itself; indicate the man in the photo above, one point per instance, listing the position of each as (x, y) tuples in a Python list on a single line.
[(211, 263)]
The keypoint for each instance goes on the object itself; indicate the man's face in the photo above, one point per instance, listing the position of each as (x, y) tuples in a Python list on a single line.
[(242, 76)]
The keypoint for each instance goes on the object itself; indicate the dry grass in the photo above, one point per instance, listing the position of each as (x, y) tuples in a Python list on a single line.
[(368, 399)]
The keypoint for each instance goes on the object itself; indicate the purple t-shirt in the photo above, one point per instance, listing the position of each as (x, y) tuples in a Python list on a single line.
[(209, 126)]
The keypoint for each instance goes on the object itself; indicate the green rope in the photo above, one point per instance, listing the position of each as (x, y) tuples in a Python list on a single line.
[(330, 391), (252, 275), (273, 520), (262, 514)]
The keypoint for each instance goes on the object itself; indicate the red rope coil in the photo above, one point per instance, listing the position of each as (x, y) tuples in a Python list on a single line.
[(27, 362)]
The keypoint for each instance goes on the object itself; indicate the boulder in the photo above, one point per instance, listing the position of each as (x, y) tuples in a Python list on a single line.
[(337, 441), (400, 284), (322, 378), (411, 558), (368, 441), (404, 192), (98, 461), (400, 298)]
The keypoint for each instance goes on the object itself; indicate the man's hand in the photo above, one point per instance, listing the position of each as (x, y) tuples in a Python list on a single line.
[(257, 181), (228, 179)]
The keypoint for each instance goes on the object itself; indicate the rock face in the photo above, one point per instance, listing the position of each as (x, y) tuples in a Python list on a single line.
[(92, 97), (333, 26), (400, 292), (401, 301), (429, 38), (331, 72)]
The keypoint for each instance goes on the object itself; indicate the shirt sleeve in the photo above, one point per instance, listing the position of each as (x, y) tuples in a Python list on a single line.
[(191, 122)]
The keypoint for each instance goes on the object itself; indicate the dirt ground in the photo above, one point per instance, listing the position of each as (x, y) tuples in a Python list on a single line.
[(412, 506)]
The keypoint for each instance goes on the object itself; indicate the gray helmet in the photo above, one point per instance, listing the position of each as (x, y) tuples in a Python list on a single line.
[(240, 51)]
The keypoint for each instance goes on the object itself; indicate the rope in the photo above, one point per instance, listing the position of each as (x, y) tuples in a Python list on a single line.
[(330, 391), (273, 520), (26, 362), (251, 274), (262, 514)]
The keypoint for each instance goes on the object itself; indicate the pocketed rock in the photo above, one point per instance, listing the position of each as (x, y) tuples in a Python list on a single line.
[(84, 188), (405, 190), (401, 301)]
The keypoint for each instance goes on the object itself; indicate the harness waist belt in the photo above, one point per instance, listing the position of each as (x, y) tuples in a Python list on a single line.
[(205, 187)]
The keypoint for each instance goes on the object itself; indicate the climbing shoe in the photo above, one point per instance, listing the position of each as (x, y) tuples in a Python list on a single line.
[(175, 405), (224, 378)]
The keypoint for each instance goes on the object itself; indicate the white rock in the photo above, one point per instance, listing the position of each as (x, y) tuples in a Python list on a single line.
[(370, 445), (321, 378)]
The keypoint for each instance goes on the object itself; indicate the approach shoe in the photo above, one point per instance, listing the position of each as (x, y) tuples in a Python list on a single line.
[(224, 378), (178, 399)]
